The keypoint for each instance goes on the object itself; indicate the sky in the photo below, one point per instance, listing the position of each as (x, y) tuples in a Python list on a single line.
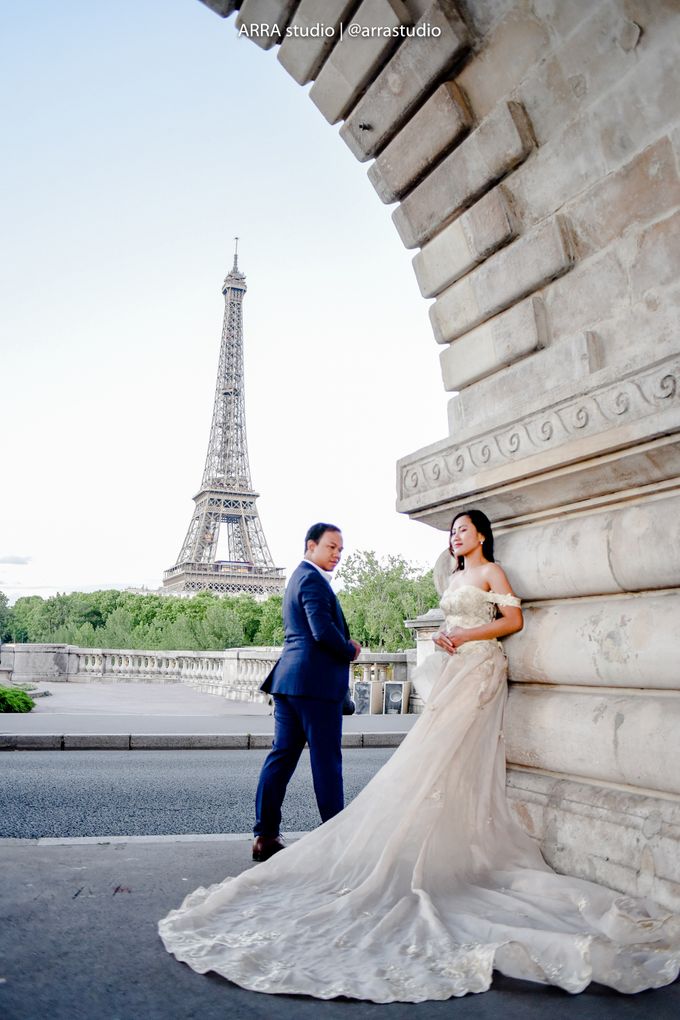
[(140, 138)]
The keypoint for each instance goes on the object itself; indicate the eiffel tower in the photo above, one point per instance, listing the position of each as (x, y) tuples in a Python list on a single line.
[(226, 497)]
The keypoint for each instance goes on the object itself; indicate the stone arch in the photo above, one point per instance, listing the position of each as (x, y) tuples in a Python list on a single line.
[(532, 149)]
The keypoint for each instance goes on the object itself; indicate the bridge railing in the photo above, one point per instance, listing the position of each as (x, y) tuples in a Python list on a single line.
[(377, 679)]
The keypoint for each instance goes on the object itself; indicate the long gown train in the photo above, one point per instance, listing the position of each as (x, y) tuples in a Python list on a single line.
[(425, 884)]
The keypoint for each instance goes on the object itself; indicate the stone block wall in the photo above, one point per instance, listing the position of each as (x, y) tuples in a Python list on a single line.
[(532, 148)]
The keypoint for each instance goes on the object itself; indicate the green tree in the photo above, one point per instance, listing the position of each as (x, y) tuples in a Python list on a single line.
[(23, 618), (118, 631), (249, 612), (181, 635), (378, 595), (221, 627), (5, 614), (270, 630)]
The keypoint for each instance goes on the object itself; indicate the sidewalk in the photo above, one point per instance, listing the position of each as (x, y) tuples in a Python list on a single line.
[(79, 942), (147, 716)]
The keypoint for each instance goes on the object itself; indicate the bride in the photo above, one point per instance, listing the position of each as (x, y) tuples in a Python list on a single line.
[(424, 884)]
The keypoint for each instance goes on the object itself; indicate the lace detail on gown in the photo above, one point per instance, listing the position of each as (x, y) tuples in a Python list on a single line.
[(425, 884)]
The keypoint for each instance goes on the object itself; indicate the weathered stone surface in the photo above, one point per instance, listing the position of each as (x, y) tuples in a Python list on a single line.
[(560, 18), (647, 329), (629, 641), (574, 106), (615, 837), (264, 21), (595, 69), (544, 184), (643, 190), (355, 60), (658, 258), (594, 291), (417, 8), (40, 661), (518, 42), (604, 552), (499, 342), (419, 63), (562, 366), (549, 729), (551, 101), (626, 88), (485, 227), (222, 7), (427, 136), (499, 144), (302, 54), (518, 270), (633, 116), (560, 88)]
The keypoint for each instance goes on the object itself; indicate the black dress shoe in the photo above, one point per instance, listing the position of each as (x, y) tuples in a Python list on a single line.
[(265, 847)]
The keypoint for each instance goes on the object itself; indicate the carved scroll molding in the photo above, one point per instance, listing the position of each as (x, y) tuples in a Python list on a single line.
[(629, 400)]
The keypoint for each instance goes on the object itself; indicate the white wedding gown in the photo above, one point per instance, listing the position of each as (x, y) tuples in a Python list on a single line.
[(424, 884)]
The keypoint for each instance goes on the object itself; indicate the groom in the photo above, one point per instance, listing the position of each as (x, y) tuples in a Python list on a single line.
[(308, 684)]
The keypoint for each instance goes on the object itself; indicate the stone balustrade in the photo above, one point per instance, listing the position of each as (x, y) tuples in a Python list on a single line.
[(235, 673)]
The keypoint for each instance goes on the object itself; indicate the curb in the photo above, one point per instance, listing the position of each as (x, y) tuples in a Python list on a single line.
[(207, 837), (171, 741)]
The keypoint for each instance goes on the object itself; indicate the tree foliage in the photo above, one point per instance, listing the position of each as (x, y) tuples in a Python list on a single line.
[(4, 617), (377, 597), (117, 619)]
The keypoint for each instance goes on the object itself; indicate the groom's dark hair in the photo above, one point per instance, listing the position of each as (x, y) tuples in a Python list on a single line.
[(317, 530)]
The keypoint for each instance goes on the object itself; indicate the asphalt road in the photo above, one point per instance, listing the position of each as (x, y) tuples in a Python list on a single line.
[(139, 793)]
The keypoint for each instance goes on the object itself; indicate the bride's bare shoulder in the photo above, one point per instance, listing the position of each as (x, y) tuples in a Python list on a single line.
[(497, 579)]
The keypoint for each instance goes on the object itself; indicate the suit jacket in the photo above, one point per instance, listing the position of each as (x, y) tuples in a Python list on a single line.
[(316, 650)]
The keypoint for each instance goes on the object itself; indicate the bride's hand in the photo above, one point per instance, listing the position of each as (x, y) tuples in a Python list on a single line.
[(457, 636), (443, 640)]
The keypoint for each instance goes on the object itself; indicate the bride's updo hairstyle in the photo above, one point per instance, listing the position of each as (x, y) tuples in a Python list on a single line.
[(483, 526)]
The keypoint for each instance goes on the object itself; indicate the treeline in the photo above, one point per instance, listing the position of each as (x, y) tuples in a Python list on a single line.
[(377, 597), (119, 619)]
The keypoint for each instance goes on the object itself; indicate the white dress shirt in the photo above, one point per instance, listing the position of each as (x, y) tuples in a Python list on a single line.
[(324, 573)]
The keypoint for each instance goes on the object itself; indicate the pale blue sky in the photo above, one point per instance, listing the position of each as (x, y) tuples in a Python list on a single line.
[(140, 137)]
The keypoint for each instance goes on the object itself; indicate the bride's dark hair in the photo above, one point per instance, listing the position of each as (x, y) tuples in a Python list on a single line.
[(483, 526)]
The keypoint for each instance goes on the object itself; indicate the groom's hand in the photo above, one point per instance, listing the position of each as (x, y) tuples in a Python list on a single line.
[(357, 648)]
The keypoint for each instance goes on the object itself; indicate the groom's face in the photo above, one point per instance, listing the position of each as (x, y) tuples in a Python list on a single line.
[(327, 551)]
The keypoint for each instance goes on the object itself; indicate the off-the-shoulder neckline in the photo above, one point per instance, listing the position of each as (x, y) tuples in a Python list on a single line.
[(482, 591)]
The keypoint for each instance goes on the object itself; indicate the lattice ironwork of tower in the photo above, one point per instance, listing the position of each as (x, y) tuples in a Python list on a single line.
[(226, 498)]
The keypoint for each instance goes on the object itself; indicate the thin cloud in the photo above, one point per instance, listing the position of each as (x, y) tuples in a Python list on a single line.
[(17, 560)]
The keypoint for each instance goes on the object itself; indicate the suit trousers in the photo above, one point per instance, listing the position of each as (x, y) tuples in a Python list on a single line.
[(299, 720)]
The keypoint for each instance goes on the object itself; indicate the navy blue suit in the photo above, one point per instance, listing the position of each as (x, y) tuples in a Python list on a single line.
[(308, 684)]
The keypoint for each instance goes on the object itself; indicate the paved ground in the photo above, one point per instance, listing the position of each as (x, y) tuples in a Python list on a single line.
[(146, 708), (103, 793), (78, 942), (78, 933)]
